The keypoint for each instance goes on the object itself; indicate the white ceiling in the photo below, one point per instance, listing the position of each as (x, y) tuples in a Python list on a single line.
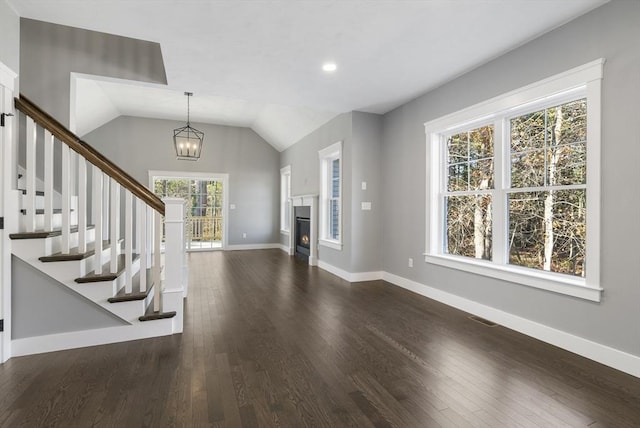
[(258, 63)]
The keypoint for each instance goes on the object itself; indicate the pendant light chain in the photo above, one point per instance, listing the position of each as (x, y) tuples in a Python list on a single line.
[(188, 94)]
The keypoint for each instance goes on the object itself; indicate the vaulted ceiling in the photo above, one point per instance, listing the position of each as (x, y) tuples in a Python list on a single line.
[(258, 64)]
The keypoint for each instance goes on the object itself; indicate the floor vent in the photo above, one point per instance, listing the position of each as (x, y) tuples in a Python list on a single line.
[(483, 321)]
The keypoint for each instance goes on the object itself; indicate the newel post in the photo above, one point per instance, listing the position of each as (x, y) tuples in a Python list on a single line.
[(175, 259)]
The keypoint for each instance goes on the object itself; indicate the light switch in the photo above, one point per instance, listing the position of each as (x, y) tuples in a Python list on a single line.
[(232, 206), (366, 206), (364, 185)]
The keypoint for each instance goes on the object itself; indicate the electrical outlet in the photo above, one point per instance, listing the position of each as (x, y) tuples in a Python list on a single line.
[(410, 262), (244, 235)]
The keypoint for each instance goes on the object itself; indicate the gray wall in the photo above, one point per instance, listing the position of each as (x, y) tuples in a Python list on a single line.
[(40, 306), (612, 32), (10, 32), (50, 52), (361, 136), (366, 226), (305, 177), (138, 145)]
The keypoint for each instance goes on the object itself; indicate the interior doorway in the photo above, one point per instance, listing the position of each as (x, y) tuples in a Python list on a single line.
[(206, 201)]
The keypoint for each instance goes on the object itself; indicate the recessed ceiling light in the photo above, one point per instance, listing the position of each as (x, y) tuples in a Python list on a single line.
[(329, 67)]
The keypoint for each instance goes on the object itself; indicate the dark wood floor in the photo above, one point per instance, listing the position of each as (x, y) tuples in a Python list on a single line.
[(269, 341)]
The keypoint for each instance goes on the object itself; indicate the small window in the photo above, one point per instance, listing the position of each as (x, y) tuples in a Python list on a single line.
[(331, 196), (285, 199)]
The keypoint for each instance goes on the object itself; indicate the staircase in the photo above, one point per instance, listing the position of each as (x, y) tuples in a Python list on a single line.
[(91, 227)]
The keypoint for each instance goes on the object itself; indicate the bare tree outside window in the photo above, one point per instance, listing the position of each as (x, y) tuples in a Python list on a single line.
[(547, 219), (470, 167)]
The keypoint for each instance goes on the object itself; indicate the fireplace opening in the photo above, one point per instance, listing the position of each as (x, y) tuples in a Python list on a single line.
[(303, 238)]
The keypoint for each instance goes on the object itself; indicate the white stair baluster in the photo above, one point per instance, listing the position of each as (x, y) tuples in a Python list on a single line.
[(30, 197), (48, 180), (157, 237), (66, 198), (115, 224), (128, 241), (97, 217), (106, 197), (142, 243), (82, 204)]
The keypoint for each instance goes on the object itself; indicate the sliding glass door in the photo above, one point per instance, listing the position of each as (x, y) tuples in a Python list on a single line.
[(204, 219)]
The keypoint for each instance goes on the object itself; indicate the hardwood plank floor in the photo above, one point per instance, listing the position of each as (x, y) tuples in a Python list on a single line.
[(272, 342)]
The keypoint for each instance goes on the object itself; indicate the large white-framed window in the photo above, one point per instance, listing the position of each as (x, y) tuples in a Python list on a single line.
[(331, 196), (513, 189), (285, 199)]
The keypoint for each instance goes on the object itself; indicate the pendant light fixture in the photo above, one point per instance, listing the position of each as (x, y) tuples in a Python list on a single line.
[(188, 140)]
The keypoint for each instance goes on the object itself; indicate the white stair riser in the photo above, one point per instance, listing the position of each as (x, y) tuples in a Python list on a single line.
[(96, 291), (34, 248), (57, 200), (128, 311), (56, 221), (62, 271), (57, 203), (102, 290)]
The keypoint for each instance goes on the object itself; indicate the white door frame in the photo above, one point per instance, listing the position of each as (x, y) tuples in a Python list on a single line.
[(8, 201), (204, 176)]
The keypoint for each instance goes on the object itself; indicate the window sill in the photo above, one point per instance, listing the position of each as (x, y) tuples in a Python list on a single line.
[(284, 232), (549, 281), (336, 245)]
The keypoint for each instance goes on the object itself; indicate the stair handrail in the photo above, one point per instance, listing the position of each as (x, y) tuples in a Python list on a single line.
[(93, 156)]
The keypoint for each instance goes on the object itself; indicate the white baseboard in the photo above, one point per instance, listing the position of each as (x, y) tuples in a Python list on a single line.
[(243, 247), (284, 248), (349, 276), (603, 354), (334, 270), (366, 276), (81, 339)]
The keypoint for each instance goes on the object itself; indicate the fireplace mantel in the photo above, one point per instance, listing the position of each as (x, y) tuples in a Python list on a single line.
[(305, 201)]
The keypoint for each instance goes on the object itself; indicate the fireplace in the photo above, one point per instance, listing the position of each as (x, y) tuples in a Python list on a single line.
[(303, 239), (302, 232)]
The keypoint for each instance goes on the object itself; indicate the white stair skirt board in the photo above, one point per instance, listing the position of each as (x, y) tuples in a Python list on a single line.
[(101, 336), (603, 354)]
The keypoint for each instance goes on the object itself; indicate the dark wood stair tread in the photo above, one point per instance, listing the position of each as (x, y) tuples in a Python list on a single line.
[(151, 315), (157, 316), (39, 234), (135, 294), (38, 192), (73, 254), (40, 211), (106, 274)]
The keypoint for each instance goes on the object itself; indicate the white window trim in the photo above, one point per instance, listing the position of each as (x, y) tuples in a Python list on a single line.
[(585, 79), (331, 152), (284, 172)]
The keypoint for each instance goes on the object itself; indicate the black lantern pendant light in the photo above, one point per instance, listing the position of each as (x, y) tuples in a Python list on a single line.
[(188, 140)]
